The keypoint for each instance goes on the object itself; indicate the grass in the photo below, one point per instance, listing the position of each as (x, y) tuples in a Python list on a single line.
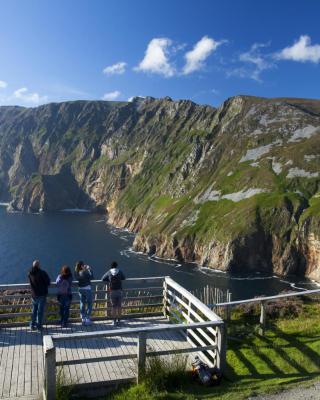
[(313, 209), (242, 218), (165, 373), (64, 385), (285, 356)]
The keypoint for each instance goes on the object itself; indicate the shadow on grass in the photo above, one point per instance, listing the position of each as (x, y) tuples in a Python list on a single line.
[(290, 362), (300, 345)]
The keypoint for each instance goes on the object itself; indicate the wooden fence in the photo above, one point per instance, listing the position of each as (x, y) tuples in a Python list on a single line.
[(213, 295), (263, 300), (202, 328), (140, 299), (183, 307)]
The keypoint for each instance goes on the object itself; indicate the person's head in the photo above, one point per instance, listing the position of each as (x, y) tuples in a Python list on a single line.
[(36, 264), (79, 266), (114, 264), (65, 271)]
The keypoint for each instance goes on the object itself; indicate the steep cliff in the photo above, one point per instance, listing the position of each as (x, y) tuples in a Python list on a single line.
[(231, 188)]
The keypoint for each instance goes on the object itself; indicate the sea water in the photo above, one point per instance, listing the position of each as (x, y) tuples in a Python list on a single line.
[(66, 237)]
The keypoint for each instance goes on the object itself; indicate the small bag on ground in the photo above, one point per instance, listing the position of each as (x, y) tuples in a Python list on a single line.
[(205, 375)]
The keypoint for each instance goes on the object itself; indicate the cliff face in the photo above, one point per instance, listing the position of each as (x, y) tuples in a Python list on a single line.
[(230, 188)]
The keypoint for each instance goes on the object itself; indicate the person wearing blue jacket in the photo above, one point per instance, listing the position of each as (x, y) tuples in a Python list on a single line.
[(84, 275)]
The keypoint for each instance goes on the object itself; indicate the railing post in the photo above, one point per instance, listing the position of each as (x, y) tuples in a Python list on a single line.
[(263, 317), (227, 313), (95, 304), (222, 347), (106, 296), (165, 297), (141, 354), (228, 308), (49, 386)]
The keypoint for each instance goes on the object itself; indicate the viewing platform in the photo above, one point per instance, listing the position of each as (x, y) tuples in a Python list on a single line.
[(160, 318)]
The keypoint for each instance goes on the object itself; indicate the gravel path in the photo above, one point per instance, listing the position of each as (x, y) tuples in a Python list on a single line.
[(299, 393)]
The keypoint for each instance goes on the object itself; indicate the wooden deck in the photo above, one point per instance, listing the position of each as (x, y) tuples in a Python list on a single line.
[(160, 319), (21, 355)]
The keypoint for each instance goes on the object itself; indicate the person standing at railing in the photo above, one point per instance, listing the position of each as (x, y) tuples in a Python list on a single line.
[(84, 275), (64, 295), (114, 278), (39, 282)]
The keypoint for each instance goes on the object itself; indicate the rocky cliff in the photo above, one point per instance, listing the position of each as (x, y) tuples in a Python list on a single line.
[(231, 188)]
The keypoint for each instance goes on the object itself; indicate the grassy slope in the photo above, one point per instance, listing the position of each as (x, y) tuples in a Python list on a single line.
[(287, 355)]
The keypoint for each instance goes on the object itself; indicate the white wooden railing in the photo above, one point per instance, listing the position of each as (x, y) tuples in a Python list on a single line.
[(141, 353), (202, 328), (183, 307)]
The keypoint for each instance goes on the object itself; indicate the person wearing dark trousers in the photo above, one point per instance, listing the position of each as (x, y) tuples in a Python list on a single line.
[(114, 278), (39, 282), (83, 274), (64, 295)]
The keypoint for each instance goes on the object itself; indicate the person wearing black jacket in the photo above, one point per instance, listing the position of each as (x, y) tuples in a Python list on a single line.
[(39, 282)]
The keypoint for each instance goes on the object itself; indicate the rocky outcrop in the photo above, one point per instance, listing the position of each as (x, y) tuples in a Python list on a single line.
[(234, 188)]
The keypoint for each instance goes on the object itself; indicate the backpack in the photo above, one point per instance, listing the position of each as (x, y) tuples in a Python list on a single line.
[(63, 287), (115, 282), (205, 375)]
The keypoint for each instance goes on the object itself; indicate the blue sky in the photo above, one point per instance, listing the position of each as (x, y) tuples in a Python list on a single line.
[(203, 50)]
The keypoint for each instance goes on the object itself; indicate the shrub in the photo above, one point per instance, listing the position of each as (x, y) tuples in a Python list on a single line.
[(286, 307), (165, 373), (161, 375), (248, 309)]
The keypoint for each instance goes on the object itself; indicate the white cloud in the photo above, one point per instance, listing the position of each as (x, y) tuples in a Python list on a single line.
[(115, 69), (25, 96), (3, 84), (258, 61), (156, 58), (301, 51), (201, 51), (130, 99), (111, 95)]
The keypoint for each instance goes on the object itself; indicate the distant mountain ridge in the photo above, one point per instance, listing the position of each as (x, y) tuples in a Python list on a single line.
[(234, 188)]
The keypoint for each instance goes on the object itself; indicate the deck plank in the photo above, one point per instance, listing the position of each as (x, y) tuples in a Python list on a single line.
[(9, 364)]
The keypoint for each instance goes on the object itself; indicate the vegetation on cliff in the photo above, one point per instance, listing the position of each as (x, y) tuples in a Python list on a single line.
[(231, 188)]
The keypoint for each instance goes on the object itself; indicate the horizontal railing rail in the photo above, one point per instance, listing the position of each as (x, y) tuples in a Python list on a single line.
[(131, 331), (17, 286), (266, 298)]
